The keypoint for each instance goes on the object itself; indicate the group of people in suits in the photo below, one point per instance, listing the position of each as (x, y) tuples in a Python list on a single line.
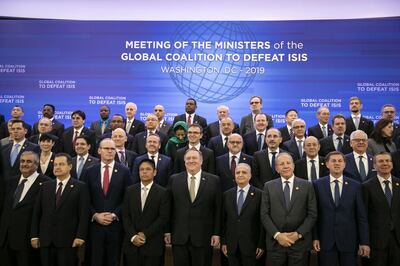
[(256, 192)]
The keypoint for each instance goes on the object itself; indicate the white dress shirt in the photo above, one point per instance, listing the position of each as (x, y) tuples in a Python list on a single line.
[(29, 182)]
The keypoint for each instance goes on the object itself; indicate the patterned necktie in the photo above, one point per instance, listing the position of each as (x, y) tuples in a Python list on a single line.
[(286, 194), (58, 194), (128, 126), (337, 193), (388, 193), (324, 131), (144, 196), (18, 192), (340, 144), (103, 126), (313, 170), (291, 133), (80, 166), (233, 165), (122, 157), (240, 201), (14, 154), (356, 121), (192, 188), (361, 166), (106, 179), (300, 147), (75, 136)]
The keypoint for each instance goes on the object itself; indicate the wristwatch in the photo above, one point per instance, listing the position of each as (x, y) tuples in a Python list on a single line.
[(300, 235)]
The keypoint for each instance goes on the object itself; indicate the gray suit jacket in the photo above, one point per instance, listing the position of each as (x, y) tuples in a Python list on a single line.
[(375, 148), (300, 217)]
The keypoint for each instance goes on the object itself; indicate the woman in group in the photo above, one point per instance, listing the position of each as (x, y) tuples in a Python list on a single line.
[(381, 138), (179, 140), (46, 156)]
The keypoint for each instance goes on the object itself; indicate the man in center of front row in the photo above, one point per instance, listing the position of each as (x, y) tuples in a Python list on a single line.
[(145, 215), (288, 213), (342, 226), (107, 181), (243, 236), (60, 216), (195, 213)]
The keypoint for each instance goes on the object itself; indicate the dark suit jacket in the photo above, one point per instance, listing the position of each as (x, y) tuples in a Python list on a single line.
[(49, 171), (15, 225), (247, 124), (300, 217), (57, 145), (96, 128), (128, 144), (57, 128), (300, 168), (151, 221), (130, 157), (195, 120), (317, 132), (223, 170), (365, 125), (164, 169), (291, 146), (165, 127), (199, 220), (136, 127), (60, 226), (383, 219), (327, 145), (262, 169), (250, 143), (217, 145), (244, 230), (89, 162), (139, 144), (285, 133), (66, 142), (345, 226), (213, 130), (351, 169), (208, 160), (112, 202), (4, 130), (8, 170), (396, 163)]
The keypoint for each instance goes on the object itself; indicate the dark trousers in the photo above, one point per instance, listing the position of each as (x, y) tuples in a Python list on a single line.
[(238, 259), (189, 255), (335, 257), (139, 259), (26, 257), (390, 256), (105, 247), (53, 256), (287, 257)]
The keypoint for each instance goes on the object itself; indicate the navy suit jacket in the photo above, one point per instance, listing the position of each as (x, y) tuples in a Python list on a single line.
[(67, 137), (291, 146), (223, 170), (112, 202), (164, 169), (351, 169), (327, 145), (89, 162), (250, 143), (317, 132), (208, 160), (365, 125), (8, 170), (247, 124), (130, 157), (345, 226), (285, 133), (139, 144), (217, 145)]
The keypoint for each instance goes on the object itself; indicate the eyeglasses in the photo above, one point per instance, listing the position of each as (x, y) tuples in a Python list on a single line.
[(296, 127), (194, 133), (254, 102), (359, 140), (235, 142)]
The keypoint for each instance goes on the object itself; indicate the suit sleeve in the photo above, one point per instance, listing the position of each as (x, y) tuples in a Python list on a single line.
[(37, 213), (127, 182), (127, 220), (163, 217), (217, 208), (311, 218), (265, 212), (83, 212), (363, 228)]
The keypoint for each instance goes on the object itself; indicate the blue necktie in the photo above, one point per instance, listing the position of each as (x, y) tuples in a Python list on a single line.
[(340, 144), (14, 154), (388, 193), (337, 193), (300, 147), (240, 201), (80, 166), (362, 168), (260, 141), (286, 194)]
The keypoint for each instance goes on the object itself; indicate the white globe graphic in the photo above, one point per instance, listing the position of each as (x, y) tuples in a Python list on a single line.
[(211, 86)]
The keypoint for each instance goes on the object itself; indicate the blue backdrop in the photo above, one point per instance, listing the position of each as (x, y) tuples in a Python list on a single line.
[(291, 64)]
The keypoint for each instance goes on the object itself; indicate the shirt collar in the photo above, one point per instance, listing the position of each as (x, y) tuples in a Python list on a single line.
[(30, 178), (198, 175), (148, 186), (111, 165), (332, 179), (316, 159), (381, 179), (291, 179), (246, 188), (197, 146), (21, 143), (237, 155), (64, 182), (356, 155), (262, 132)]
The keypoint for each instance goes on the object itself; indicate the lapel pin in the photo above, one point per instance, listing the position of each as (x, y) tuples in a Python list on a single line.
[(203, 178), (71, 186), (115, 170), (252, 194), (346, 183), (397, 184), (322, 163), (89, 159), (51, 161), (297, 188), (244, 159), (40, 183)]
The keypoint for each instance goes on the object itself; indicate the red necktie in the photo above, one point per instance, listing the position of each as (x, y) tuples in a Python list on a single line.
[(106, 179), (190, 120), (75, 136), (233, 165)]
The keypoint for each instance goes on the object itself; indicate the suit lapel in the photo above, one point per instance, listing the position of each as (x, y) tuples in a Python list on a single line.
[(279, 191), (249, 199), (295, 191), (345, 191), (67, 191), (203, 181), (396, 196), (327, 187), (150, 198), (32, 190)]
